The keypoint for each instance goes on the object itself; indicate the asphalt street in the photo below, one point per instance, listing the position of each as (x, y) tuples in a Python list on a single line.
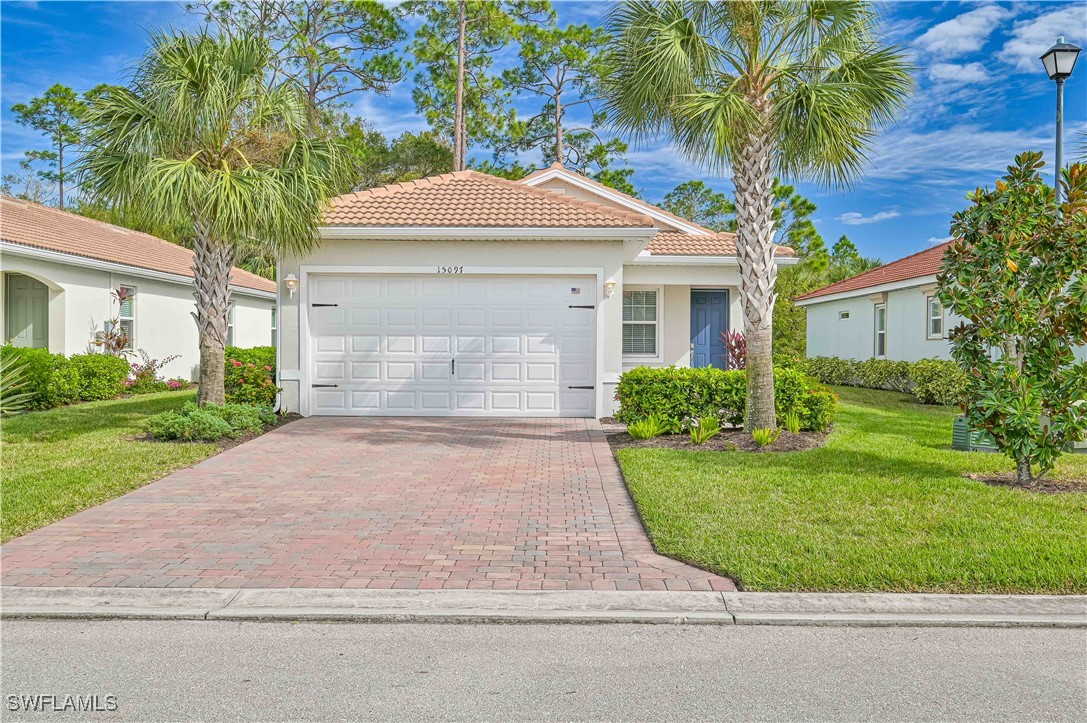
[(182, 670)]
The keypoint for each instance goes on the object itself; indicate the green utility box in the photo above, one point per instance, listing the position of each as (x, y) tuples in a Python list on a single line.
[(971, 440)]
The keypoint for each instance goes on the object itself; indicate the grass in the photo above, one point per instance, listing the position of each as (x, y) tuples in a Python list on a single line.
[(882, 507), (61, 461)]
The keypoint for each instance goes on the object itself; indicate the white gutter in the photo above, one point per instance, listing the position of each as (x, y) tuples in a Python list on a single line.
[(614, 198), (442, 233), (868, 290), (646, 259), (60, 257)]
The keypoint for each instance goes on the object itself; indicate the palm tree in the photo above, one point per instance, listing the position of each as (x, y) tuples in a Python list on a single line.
[(200, 139), (797, 89)]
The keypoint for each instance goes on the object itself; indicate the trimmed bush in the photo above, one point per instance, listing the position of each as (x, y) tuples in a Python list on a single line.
[(209, 423), (250, 376), (884, 374), (930, 381), (938, 381), (101, 376), (679, 395), (48, 377)]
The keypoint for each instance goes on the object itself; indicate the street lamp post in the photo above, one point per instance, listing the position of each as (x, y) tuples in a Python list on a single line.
[(1059, 62)]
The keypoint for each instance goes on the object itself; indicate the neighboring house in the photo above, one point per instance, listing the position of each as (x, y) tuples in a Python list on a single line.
[(60, 270), (887, 313), (466, 294)]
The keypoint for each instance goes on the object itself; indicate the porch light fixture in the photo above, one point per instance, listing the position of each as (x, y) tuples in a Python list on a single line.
[(292, 283), (1059, 62), (609, 287)]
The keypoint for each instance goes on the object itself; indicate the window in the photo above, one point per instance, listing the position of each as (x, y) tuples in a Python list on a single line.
[(935, 318), (126, 314), (640, 323), (843, 315), (273, 326), (230, 326), (881, 331)]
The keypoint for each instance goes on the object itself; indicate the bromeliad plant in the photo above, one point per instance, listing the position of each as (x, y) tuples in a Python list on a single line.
[(765, 437), (703, 430), (651, 426), (1018, 275)]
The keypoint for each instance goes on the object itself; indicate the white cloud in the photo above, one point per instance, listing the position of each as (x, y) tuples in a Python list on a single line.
[(963, 34), (858, 219), (958, 74), (1031, 38), (936, 240)]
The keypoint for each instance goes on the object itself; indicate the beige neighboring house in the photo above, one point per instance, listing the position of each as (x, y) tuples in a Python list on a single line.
[(466, 294), (59, 271)]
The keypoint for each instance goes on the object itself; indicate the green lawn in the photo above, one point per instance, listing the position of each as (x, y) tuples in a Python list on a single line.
[(883, 506), (58, 462)]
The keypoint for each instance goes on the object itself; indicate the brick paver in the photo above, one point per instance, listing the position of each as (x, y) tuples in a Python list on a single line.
[(372, 503)]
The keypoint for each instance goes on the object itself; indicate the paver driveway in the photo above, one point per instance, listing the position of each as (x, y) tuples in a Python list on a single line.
[(374, 503)]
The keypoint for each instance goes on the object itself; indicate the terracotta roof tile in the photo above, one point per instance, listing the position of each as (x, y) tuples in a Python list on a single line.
[(31, 224), (470, 198), (922, 263)]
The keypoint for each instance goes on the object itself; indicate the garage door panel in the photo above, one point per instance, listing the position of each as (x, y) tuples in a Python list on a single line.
[(389, 344)]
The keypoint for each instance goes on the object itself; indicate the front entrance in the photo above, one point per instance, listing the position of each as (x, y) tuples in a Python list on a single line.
[(27, 319), (709, 321)]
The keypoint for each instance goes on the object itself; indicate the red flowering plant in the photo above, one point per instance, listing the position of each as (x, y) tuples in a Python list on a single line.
[(144, 377), (735, 349), (113, 339), (249, 383)]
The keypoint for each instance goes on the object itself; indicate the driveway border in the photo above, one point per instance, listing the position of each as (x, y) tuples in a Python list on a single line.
[(557, 606)]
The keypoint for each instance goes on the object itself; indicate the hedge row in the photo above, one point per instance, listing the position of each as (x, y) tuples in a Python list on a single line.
[(55, 379), (679, 395), (930, 381)]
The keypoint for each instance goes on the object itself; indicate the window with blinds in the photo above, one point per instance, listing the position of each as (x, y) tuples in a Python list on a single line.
[(640, 323), (126, 315)]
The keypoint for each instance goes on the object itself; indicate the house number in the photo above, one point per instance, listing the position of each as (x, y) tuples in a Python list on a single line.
[(450, 269)]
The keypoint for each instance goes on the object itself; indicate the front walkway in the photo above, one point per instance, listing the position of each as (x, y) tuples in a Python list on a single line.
[(372, 503)]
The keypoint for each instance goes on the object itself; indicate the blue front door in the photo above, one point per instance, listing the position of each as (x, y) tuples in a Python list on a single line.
[(709, 320)]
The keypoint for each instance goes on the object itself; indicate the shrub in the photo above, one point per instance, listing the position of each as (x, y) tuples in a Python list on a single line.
[(209, 423), (651, 426), (678, 395), (703, 430), (884, 374), (101, 376), (765, 437), (832, 370), (48, 378), (735, 349), (791, 422), (177, 384), (250, 376), (938, 381), (145, 374)]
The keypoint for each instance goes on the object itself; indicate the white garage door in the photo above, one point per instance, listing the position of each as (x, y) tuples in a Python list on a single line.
[(452, 345)]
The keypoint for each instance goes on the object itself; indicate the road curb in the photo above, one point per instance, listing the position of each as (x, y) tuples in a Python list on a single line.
[(560, 606)]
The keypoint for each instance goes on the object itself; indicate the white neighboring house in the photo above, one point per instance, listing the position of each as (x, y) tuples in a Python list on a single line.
[(59, 271), (887, 313), (470, 295)]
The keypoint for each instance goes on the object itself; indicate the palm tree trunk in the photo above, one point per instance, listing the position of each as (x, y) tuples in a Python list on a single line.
[(212, 261), (754, 180), (460, 145)]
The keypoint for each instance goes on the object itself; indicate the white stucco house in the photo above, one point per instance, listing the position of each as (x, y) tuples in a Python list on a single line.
[(466, 294), (58, 273), (887, 313)]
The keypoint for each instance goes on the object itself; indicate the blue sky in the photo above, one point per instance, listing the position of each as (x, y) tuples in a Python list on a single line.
[(982, 97)]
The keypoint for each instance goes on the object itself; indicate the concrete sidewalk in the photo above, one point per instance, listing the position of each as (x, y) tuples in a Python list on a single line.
[(569, 606)]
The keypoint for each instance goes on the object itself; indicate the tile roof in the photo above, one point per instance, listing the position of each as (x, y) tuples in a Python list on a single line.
[(31, 224), (922, 263), (471, 199)]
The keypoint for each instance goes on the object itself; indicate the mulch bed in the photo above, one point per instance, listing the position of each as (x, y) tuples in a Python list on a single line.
[(729, 440), (1043, 485)]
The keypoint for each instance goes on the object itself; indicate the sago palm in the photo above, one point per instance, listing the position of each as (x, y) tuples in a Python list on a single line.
[(201, 139), (797, 89)]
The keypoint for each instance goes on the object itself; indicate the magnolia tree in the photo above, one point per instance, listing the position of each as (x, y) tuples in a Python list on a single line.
[(1017, 274)]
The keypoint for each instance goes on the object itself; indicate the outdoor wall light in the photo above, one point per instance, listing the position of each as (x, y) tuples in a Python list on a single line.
[(292, 283), (609, 287)]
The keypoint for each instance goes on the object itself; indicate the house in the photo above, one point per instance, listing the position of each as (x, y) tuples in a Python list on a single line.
[(891, 312), (466, 294), (60, 272)]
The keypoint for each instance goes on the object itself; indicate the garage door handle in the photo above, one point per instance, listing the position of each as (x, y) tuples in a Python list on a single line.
[(316, 305), (453, 367), (324, 386), (581, 387), (583, 306)]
